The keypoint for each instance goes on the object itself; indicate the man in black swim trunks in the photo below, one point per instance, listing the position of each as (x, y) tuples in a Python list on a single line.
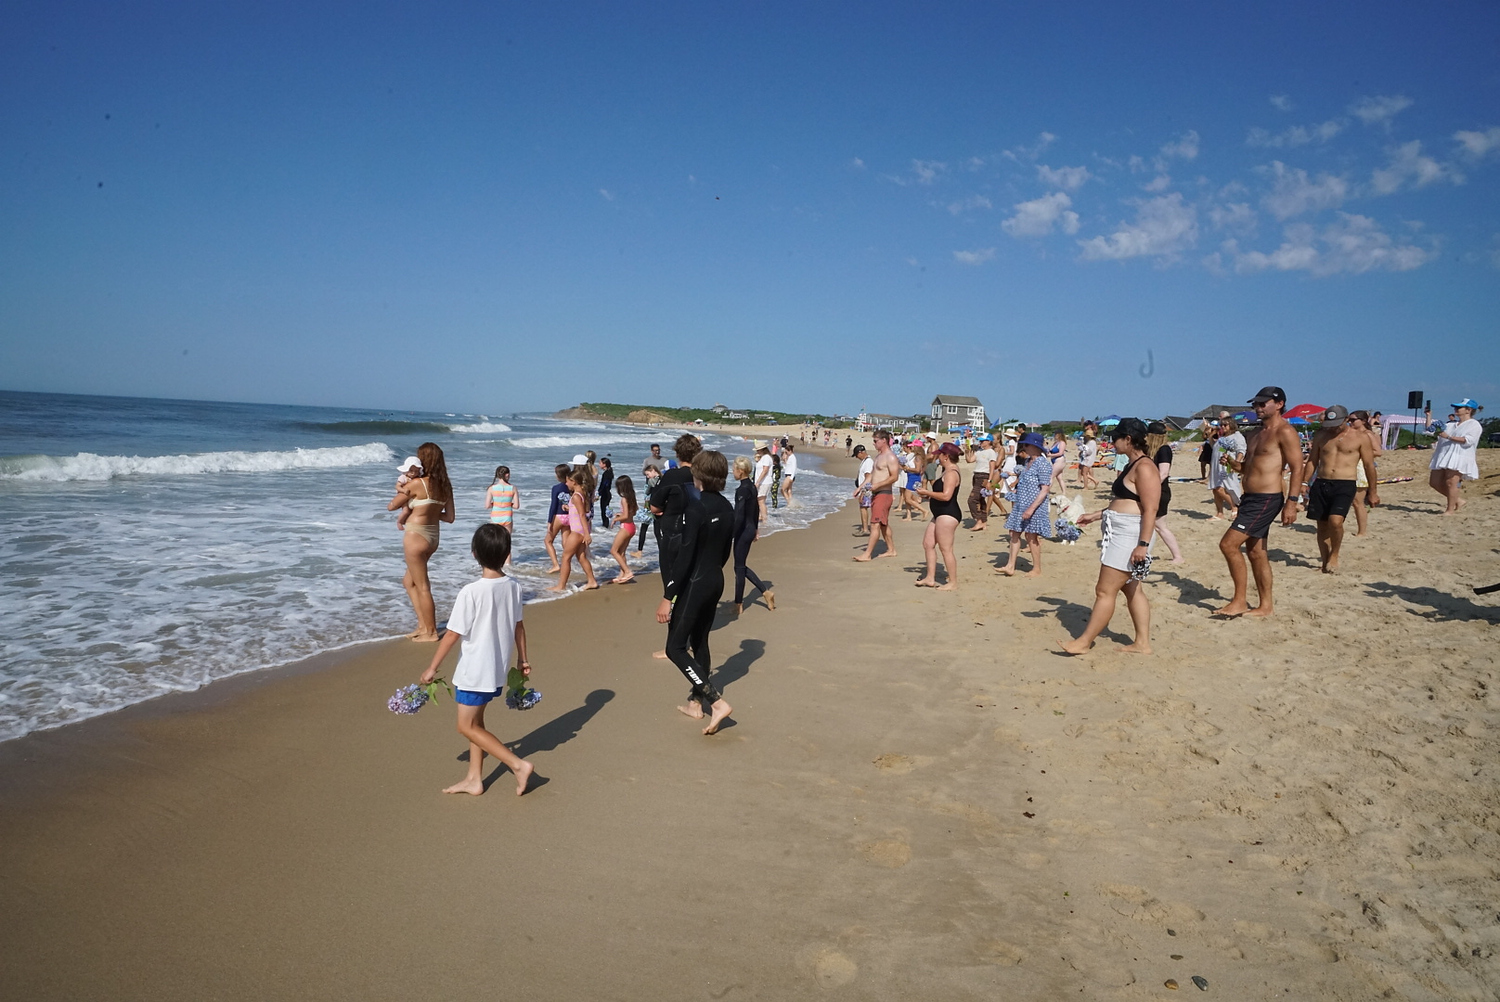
[(1337, 450), (1269, 454)]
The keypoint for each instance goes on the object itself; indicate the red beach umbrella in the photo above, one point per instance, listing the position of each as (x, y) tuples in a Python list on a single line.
[(1304, 411)]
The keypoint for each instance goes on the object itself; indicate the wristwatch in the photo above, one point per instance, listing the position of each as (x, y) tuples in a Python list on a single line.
[(1143, 542)]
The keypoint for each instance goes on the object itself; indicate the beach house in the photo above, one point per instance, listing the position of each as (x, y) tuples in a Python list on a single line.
[(951, 412)]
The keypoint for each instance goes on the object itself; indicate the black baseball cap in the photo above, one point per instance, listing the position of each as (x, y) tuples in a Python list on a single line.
[(859, 448), (1275, 393)]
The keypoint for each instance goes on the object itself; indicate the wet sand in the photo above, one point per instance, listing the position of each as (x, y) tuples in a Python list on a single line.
[(916, 797)]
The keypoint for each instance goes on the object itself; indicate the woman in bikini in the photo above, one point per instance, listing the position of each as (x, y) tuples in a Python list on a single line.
[(428, 499)]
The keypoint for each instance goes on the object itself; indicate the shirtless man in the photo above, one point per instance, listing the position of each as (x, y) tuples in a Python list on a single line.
[(882, 483), (1366, 478), (1338, 450), (1273, 451)]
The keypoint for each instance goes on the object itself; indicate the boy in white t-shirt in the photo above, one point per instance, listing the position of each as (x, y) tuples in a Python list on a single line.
[(487, 618)]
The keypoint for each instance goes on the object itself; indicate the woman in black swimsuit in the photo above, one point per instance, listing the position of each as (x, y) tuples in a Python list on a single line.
[(1129, 522), (946, 516)]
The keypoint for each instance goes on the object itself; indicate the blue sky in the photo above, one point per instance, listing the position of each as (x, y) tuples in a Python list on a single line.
[(496, 207)]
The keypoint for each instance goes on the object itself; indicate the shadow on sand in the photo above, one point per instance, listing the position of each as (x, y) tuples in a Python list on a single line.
[(552, 735), (1073, 617), (1445, 607)]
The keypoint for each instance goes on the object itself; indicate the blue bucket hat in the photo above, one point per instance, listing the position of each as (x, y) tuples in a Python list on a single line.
[(1033, 438), (1468, 402)]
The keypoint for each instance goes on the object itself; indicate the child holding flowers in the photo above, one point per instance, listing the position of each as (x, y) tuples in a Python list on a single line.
[(487, 619)]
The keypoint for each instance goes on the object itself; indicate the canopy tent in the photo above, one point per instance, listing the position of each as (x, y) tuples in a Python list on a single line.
[(1303, 411), (1393, 423)]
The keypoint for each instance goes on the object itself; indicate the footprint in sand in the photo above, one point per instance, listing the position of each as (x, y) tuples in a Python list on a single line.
[(898, 765), (828, 967), (890, 853)]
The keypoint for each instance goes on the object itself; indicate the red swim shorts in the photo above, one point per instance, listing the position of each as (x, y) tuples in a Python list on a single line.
[(880, 509)]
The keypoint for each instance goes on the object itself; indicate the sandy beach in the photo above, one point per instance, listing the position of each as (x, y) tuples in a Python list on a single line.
[(917, 797)]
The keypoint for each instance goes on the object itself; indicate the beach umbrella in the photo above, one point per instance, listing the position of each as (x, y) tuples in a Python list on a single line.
[(1112, 419), (1304, 411), (1297, 420)]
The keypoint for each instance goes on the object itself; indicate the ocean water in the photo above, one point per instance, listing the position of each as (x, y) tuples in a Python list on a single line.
[(157, 545)]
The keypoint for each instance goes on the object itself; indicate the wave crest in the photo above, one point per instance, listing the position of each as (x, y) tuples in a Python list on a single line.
[(88, 466), (480, 428)]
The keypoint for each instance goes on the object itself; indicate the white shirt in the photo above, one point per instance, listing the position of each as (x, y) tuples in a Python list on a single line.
[(789, 465), (1450, 455), (1087, 451), (983, 458), (866, 468), (1219, 475), (763, 475), (485, 614)]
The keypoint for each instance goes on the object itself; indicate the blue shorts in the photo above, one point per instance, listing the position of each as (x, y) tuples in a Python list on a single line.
[(469, 697), (913, 481)]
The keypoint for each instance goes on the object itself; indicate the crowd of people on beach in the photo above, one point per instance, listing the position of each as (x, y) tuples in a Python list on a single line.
[(1254, 479)]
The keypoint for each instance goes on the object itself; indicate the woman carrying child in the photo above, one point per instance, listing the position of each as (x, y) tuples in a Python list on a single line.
[(428, 499), (624, 520), (487, 618), (578, 532)]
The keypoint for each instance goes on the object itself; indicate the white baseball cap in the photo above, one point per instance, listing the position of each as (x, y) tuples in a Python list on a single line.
[(409, 462), (580, 459)]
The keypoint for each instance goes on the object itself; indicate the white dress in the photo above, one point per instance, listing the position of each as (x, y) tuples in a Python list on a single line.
[(1450, 455)]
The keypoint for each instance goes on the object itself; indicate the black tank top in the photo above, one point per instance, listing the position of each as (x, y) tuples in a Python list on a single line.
[(948, 507), (1118, 488)]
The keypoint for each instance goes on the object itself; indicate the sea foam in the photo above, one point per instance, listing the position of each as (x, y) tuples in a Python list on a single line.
[(480, 428), (88, 466)]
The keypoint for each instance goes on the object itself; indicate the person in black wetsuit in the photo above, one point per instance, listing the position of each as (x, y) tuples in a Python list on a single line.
[(746, 531), (694, 583), (606, 489), (670, 498)]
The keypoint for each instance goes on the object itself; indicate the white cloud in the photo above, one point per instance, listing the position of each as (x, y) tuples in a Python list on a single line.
[(1163, 227), (1020, 153), (1281, 102), (1408, 164), (1352, 244), (1477, 144), (972, 202), (1067, 178), (1184, 146), (927, 170), (979, 256), (1037, 217), (1160, 182), (1380, 110), (1293, 192), (1297, 135), (609, 196), (973, 163), (857, 164), (1237, 217)]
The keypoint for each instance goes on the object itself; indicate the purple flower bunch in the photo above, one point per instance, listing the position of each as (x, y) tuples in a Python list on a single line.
[(411, 698)]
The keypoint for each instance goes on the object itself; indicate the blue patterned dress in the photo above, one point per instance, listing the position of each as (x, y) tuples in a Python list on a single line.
[(1030, 480)]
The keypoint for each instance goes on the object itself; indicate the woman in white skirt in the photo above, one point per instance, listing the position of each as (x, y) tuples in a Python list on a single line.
[(1125, 557), (1453, 459)]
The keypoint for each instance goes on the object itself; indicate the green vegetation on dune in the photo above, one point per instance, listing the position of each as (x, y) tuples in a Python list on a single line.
[(687, 415)]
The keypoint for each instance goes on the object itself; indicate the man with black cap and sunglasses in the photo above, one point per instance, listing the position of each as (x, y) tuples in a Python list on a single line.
[(1269, 455), (1338, 450)]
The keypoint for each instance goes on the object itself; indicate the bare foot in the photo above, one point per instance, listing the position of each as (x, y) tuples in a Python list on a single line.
[(860, 560), (1260, 611), (553, 569), (887, 553), (1232, 609), (770, 598), (950, 586), (473, 787), (976, 528), (523, 776), (425, 638), (739, 607), (412, 635), (1009, 572), (591, 587), (718, 712), (692, 709), (623, 579), (1075, 647), (557, 588), (926, 583), (660, 655), (1136, 648), (1033, 574), (1178, 560)]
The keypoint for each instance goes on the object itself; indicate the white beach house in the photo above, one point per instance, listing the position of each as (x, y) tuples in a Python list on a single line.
[(949, 411)]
